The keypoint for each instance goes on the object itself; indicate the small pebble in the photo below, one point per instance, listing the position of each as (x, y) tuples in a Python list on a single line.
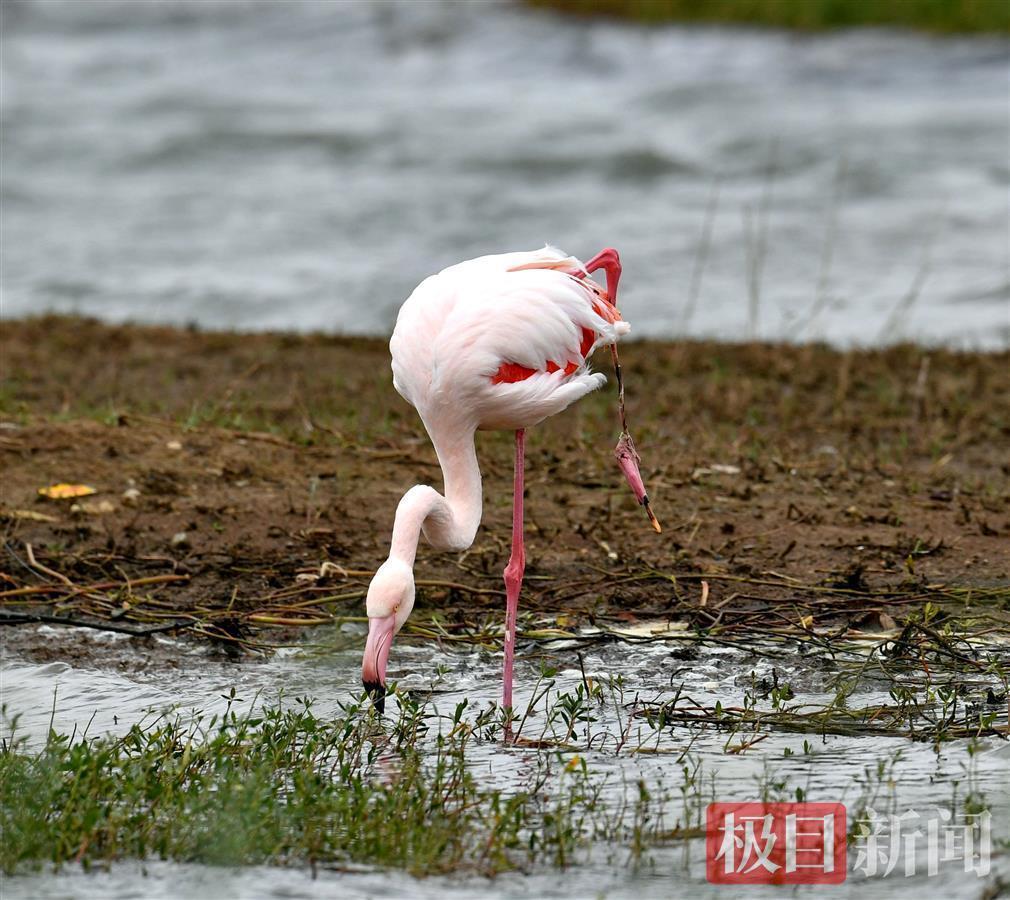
[(174, 445), (180, 539), (84, 508), (131, 496)]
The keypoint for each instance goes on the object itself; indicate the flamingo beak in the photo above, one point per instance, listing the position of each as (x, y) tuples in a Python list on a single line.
[(373, 664), (628, 459)]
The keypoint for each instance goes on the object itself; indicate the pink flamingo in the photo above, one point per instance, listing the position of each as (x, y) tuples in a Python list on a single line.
[(497, 342)]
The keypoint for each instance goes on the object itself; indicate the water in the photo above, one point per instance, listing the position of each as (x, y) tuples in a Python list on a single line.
[(304, 165), (161, 881), (102, 700)]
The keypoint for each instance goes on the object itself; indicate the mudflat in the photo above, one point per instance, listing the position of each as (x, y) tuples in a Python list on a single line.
[(245, 486)]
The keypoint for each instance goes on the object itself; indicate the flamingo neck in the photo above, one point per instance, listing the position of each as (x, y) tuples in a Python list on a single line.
[(449, 521)]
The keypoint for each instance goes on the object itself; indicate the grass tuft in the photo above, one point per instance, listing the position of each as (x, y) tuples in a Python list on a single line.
[(284, 787), (927, 15)]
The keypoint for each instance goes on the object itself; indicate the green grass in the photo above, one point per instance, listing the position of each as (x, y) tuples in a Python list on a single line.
[(928, 15), (285, 787)]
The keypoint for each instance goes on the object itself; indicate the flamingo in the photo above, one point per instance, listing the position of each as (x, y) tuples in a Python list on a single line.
[(497, 342)]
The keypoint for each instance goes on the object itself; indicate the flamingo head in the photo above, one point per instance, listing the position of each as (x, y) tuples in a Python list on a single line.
[(389, 602)]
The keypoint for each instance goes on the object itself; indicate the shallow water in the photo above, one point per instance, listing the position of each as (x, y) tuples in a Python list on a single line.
[(304, 165), (161, 881), (831, 768)]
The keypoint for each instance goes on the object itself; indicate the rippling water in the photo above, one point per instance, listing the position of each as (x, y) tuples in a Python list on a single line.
[(303, 165), (828, 767)]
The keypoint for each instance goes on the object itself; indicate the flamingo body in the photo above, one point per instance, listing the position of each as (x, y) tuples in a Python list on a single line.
[(464, 334), (497, 342)]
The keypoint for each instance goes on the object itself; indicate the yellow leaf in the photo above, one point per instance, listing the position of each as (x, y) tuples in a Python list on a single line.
[(66, 491)]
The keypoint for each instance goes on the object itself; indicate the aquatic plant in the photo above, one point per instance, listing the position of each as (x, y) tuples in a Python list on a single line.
[(283, 786)]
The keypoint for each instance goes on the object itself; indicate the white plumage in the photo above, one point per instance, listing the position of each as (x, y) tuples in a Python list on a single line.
[(495, 342), (459, 327)]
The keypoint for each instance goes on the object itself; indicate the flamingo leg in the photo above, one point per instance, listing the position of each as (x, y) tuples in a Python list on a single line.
[(514, 574), (610, 262)]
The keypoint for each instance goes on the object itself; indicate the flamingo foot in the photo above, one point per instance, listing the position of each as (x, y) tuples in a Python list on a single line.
[(628, 459)]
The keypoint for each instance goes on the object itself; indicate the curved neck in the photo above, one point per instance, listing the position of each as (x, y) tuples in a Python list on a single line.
[(449, 522)]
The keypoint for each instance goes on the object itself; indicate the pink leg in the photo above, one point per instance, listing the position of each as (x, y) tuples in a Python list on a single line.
[(514, 573), (610, 262)]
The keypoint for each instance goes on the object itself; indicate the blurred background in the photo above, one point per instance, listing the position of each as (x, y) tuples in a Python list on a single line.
[(302, 165)]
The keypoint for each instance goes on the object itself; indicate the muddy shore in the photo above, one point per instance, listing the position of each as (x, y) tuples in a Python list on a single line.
[(245, 485)]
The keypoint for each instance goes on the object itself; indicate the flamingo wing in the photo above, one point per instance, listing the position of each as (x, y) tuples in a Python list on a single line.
[(503, 341)]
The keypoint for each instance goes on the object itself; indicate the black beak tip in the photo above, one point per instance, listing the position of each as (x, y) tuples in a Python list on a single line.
[(377, 692)]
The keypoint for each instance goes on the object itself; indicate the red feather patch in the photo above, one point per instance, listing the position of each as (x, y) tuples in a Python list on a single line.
[(510, 373)]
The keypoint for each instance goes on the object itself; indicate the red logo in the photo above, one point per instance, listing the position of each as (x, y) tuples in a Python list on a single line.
[(775, 843)]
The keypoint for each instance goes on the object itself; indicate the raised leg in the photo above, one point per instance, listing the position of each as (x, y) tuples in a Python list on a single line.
[(610, 262), (514, 572)]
